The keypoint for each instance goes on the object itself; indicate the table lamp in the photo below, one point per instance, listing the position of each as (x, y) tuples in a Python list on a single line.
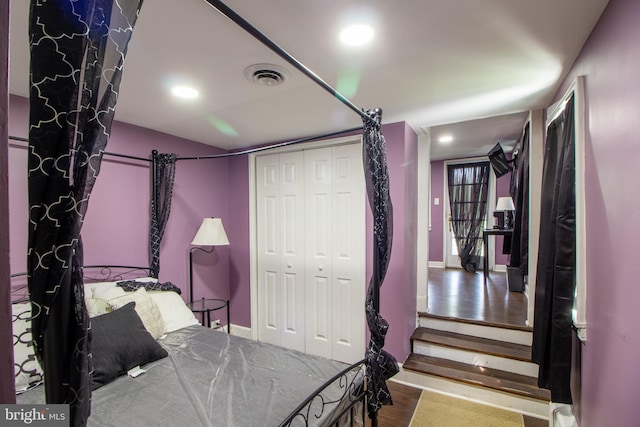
[(504, 212)]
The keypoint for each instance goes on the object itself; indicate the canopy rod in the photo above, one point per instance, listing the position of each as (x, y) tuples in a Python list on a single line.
[(272, 145), (19, 138), (226, 11)]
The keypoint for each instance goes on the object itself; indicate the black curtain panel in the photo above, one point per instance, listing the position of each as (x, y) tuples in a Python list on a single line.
[(380, 364), (519, 191), (555, 284), (468, 189), (164, 174), (77, 54)]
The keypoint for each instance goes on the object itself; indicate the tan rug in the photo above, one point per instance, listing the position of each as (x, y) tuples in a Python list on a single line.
[(439, 410)]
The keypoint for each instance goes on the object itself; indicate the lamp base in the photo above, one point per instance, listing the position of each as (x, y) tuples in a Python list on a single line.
[(500, 218)]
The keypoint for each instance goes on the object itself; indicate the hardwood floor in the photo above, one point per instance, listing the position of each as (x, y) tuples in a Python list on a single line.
[(405, 400), (460, 294)]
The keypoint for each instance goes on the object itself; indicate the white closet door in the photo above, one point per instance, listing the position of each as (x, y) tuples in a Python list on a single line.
[(310, 210), (280, 240), (348, 254), (335, 247), (292, 262), (319, 248)]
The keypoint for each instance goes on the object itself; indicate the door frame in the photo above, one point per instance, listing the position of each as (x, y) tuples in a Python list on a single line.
[(253, 238), (491, 201)]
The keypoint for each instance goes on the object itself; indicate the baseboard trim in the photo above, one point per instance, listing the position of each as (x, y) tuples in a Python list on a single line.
[(240, 331), (436, 264)]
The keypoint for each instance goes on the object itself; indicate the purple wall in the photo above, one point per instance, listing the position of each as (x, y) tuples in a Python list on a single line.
[(398, 293), (610, 61), (117, 222), (238, 233), (436, 239), (7, 384)]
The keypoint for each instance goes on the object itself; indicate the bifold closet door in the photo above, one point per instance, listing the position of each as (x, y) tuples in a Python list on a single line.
[(310, 210), (280, 239), (334, 252)]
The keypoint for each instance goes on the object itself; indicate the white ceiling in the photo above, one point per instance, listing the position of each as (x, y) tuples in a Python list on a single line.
[(432, 63)]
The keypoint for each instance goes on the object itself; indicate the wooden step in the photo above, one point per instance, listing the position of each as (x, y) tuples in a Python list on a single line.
[(507, 382), (476, 322), (474, 344)]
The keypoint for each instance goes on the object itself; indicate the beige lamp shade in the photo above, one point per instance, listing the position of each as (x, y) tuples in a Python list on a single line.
[(505, 204), (211, 233)]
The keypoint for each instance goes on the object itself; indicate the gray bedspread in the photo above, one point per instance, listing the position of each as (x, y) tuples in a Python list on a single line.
[(210, 378)]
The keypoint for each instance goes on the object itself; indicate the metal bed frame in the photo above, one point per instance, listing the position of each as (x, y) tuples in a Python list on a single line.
[(345, 409)]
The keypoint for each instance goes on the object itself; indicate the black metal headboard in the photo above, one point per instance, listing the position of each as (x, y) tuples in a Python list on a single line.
[(92, 273)]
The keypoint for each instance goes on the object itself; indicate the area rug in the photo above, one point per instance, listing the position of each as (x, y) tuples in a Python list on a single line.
[(439, 410)]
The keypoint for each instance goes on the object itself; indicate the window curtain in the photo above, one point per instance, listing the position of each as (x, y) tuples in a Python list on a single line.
[(380, 364), (77, 53), (468, 188), (519, 191), (555, 283), (164, 172)]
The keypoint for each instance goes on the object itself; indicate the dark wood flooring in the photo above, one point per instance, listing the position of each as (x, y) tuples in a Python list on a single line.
[(457, 293), (405, 400)]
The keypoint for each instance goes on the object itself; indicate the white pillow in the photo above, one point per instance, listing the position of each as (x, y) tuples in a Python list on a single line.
[(97, 306), (27, 370), (146, 308), (90, 288), (108, 293), (174, 311)]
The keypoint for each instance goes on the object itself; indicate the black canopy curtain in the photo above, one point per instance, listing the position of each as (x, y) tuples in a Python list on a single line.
[(468, 188), (77, 53), (164, 172), (555, 284), (519, 191), (380, 364)]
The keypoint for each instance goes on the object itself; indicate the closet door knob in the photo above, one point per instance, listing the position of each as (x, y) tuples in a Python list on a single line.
[(288, 265), (320, 267)]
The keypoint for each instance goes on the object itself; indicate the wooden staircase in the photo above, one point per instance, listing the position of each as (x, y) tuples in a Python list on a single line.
[(489, 363)]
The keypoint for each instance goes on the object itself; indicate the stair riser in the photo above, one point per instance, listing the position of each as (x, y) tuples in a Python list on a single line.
[(527, 406), (490, 332), (476, 359)]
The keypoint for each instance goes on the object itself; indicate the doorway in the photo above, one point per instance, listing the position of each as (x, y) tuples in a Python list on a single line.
[(451, 255)]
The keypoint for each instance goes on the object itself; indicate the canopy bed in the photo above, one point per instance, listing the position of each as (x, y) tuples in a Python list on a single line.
[(74, 85)]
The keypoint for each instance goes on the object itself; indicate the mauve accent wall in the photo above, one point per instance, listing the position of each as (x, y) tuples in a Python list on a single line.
[(436, 236), (398, 293), (238, 232), (116, 228), (610, 62)]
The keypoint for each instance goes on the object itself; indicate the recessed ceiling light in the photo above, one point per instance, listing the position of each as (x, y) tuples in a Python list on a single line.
[(445, 139), (184, 92), (356, 35)]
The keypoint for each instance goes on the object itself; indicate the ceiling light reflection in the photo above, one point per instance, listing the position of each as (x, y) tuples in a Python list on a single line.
[(184, 92), (356, 35)]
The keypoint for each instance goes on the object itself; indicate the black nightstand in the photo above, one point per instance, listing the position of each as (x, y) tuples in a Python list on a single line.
[(207, 305)]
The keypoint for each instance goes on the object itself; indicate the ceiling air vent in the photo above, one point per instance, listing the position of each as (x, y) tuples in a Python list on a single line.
[(266, 74)]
